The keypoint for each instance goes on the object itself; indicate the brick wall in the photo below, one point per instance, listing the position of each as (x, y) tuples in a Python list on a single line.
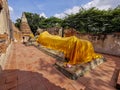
[(5, 32), (109, 44)]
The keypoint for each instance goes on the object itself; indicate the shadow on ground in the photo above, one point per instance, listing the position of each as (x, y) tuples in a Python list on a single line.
[(25, 80)]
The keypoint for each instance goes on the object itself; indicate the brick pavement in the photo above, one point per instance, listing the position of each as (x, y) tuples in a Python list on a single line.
[(30, 69)]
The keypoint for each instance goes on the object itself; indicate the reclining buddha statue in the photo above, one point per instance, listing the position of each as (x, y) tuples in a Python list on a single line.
[(78, 51)]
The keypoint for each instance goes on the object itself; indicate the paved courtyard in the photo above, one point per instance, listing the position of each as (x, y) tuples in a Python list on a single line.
[(30, 69)]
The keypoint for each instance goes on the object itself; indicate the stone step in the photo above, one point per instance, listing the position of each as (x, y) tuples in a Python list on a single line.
[(75, 71), (78, 70), (50, 52)]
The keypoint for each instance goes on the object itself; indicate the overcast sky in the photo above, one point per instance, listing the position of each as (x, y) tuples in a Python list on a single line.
[(57, 8)]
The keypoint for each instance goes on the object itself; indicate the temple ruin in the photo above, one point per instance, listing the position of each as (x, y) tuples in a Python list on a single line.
[(5, 32), (36, 67), (25, 28), (107, 44), (16, 33)]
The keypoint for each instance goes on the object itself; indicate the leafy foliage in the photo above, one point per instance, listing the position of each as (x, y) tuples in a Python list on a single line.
[(94, 21), (86, 21), (33, 20), (18, 21), (50, 22)]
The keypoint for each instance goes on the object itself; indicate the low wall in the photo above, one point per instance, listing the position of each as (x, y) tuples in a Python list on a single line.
[(109, 44), (4, 56)]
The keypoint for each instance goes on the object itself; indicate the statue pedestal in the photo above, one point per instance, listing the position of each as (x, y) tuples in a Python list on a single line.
[(78, 70)]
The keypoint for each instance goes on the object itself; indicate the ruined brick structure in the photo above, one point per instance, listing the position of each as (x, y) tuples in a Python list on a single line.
[(53, 30), (39, 30), (25, 28), (69, 32), (5, 32), (108, 44), (16, 33)]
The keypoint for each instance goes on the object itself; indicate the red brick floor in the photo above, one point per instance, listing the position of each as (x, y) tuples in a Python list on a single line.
[(30, 69)]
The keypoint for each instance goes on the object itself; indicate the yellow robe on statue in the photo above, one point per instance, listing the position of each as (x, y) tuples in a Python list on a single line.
[(76, 50)]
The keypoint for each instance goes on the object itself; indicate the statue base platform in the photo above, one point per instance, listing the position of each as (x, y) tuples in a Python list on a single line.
[(78, 70), (75, 71)]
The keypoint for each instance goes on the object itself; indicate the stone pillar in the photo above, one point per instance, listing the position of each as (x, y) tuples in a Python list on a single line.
[(61, 32)]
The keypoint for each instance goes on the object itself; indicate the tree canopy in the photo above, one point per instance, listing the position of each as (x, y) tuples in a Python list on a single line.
[(94, 21), (86, 21), (50, 22)]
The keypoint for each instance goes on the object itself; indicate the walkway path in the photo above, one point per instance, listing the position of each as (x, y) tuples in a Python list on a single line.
[(30, 69)]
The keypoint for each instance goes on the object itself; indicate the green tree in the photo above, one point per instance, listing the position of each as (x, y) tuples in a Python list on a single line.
[(86, 21), (17, 24), (50, 22), (94, 21), (33, 20)]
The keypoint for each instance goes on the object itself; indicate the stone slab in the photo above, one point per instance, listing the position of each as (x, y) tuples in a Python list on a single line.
[(75, 71), (79, 70), (53, 53)]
